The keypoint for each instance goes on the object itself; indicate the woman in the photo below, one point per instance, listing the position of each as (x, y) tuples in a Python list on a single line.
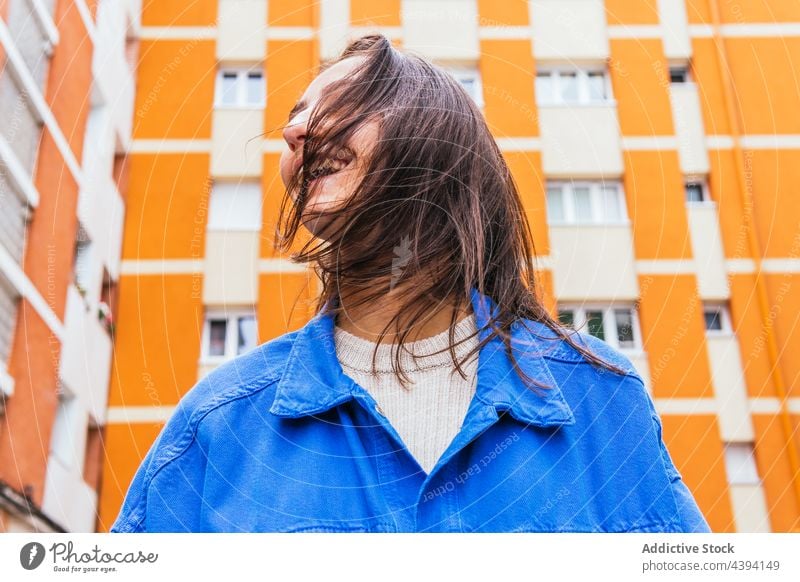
[(432, 391)]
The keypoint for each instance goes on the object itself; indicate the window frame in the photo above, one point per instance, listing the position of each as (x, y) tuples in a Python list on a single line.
[(747, 471), (724, 318), (687, 73), (460, 72), (242, 74), (582, 78), (595, 200), (231, 317), (609, 322), (703, 183)]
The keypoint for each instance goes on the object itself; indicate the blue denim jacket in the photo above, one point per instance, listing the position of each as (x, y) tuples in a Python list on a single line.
[(280, 439)]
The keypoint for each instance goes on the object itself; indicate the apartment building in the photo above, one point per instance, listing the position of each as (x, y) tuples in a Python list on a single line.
[(654, 143), (66, 100)]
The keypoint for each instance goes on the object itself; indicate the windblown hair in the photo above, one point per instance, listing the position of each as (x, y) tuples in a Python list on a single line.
[(436, 212)]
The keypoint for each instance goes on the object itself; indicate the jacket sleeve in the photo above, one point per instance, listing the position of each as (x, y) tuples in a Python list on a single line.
[(174, 440), (689, 515)]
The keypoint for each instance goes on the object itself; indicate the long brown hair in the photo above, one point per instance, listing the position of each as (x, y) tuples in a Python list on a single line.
[(436, 213)]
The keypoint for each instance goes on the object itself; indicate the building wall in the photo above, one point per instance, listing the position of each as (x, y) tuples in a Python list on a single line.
[(65, 131), (668, 119)]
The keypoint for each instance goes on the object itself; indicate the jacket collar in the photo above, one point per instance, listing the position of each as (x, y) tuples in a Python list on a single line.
[(313, 381)]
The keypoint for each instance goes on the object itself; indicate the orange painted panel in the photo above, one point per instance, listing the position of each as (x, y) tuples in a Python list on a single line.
[(291, 65), (673, 332), (179, 12), (167, 207), (724, 188), (762, 71), (775, 471), (125, 446), (752, 11), (286, 302), (707, 76), (508, 13), (508, 72), (656, 205), (546, 290), (774, 176), (175, 89), (157, 344), (695, 447), (783, 290), (273, 189), (758, 11), (50, 245), (641, 87), (27, 424), (69, 77), (375, 12), (526, 169), (627, 12), (292, 12), (746, 320), (697, 11)]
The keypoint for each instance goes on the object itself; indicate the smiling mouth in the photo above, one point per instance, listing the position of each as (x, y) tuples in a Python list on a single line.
[(328, 166)]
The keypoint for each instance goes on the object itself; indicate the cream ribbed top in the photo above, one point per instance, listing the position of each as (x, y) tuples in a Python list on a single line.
[(429, 413)]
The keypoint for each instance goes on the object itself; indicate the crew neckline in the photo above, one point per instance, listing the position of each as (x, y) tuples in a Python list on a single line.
[(355, 352)]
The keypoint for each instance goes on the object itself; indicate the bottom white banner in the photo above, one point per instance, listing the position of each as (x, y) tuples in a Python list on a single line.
[(354, 557)]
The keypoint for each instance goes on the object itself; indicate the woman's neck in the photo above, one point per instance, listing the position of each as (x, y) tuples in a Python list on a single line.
[(368, 320)]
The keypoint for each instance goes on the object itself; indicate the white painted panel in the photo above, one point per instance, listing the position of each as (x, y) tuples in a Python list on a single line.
[(235, 206), (640, 362), (114, 81), (236, 142), (334, 27), (593, 262), (68, 500), (735, 423), (205, 369), (441, 29), (675, 27), (231, 268), (569, 29), (85, 362), (580, 141), (240, 30), (750, 509), (688, 119), (709, 259)]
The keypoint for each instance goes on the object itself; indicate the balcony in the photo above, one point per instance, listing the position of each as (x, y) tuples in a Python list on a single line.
[(85, 363)]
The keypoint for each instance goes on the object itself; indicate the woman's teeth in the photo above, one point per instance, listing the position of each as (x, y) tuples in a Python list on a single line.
[(328, 166)]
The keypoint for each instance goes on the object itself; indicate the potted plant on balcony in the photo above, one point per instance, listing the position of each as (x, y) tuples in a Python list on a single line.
[(105, 316)]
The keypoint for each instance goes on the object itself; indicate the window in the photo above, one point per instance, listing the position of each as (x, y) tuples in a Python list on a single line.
[(228, 334), (617, 325), (470, 79), (235, 206), (740, 464), (585, 203), (696, 191), (240, 88), (573, 86), (82, 261), (678, 74), (716, 319)]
